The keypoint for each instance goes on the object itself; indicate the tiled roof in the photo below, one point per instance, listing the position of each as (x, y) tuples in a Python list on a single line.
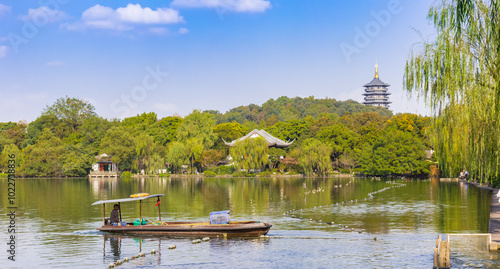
[(376, 82), (271, 140)]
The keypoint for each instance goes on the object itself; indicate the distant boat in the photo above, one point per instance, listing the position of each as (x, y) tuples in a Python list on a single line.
[(180, 228)]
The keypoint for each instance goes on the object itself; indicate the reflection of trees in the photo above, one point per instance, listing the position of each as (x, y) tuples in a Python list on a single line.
[(440, 206)]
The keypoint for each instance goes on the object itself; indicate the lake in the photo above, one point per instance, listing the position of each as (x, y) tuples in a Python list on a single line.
[(317, 222)]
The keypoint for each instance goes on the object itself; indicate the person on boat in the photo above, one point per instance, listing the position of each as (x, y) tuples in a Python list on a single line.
[(114, 218)]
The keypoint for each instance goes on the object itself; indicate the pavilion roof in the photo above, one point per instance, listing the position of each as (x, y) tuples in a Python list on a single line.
[(376, 82), (103, 158), (271, 140)]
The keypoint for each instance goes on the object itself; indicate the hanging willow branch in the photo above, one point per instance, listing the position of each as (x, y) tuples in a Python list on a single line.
[(458, 76)]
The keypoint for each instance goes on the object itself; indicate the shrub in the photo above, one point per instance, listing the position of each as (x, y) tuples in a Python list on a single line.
[(209, 173), (126, 175), (239, 174), (344, 171), (224, 170), (164, 175), (265, 174)]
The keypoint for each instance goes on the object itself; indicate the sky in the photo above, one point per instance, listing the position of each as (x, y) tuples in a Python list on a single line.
[(174, 56)]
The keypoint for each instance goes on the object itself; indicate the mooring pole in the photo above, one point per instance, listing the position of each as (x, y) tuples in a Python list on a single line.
[(140, 212), (159, 211), (120, 209), (104, 213)]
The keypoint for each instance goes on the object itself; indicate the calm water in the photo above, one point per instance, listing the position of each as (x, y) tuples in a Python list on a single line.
[(56, 222)]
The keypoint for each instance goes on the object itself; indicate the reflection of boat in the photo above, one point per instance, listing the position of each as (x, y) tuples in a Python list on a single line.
[(232, 228)]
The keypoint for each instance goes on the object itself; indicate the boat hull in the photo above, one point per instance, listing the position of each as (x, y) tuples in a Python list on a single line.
[(249, 228)]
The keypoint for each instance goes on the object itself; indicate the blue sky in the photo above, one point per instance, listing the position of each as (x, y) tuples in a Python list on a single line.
[(171, 57)]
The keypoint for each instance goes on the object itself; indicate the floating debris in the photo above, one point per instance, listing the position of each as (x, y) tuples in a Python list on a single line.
[(205, 239), (153, 251), (172, 246), (196, 241)]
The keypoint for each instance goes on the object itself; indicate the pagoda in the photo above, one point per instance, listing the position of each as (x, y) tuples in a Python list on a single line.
[(376, 92)]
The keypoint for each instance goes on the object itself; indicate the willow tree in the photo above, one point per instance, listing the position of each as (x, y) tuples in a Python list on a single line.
[(315, 157), (458, 75), (196, 133), (250, 153)]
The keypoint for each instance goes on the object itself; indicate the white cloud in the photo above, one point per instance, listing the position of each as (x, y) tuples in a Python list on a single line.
[(45, 15), (230, 5), (183, 30), (4, 9), (55, 63), (124, 18), (165, 107), (158, 30), (3, 51)]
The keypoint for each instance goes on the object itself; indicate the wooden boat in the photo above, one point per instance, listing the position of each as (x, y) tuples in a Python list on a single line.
[(184, 228)]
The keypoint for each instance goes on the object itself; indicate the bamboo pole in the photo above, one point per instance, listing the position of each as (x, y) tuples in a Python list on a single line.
[(120, 209), (159, 211)]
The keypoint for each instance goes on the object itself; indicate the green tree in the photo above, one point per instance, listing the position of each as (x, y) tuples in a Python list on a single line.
[(76, 160), (315, 157), (6, 152), (229, 132), (119, 144), (196, 133), (395, 152), (71, 111), (144, 146), (167, 131), (251, 153), (44, 158), (275, 155), (339, 137), (210, 158), (177, 155)]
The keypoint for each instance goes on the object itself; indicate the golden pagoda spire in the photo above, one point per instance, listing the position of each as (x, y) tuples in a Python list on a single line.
[(376, 69)]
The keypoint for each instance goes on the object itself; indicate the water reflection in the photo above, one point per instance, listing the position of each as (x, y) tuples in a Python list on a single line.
[(414, 211)]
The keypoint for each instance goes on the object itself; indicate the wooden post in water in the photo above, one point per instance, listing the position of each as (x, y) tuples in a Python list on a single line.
[(104, 213), (159, 211), (436, 257), (140, 212), (444, 255), (120, 209)]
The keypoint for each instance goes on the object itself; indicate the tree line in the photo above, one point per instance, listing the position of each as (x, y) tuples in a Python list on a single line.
[(329, 135)]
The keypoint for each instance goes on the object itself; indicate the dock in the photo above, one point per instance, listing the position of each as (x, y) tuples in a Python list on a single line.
[(104, 174), (494, 227)]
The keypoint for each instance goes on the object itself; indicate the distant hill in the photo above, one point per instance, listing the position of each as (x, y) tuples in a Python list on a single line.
[(285, 108)]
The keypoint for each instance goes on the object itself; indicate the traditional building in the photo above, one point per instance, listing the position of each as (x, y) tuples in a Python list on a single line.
[(104, 167), (376, 92), (271, 140)]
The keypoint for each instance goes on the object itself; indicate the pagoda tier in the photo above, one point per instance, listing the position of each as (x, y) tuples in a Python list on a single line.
[(376, 92)]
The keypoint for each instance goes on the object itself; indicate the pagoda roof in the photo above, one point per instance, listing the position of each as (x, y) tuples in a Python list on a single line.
[(271, 140), (376, 82)]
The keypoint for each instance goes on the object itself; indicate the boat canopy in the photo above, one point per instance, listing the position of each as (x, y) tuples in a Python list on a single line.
[(127, 199)]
